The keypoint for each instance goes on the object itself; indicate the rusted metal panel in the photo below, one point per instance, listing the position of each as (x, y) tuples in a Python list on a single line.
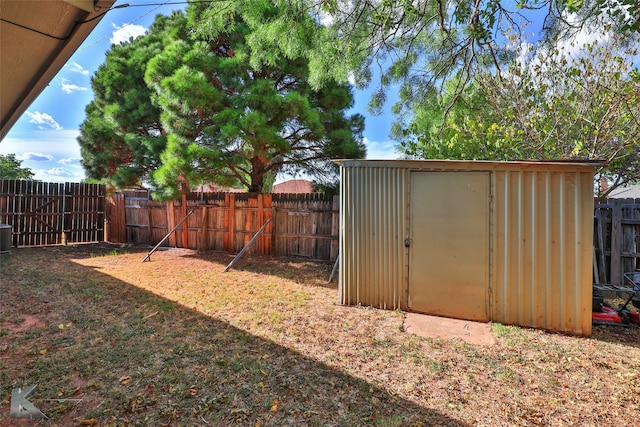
[(373, 223)]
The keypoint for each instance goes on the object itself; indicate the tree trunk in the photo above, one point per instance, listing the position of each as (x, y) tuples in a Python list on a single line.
[(258, 168)]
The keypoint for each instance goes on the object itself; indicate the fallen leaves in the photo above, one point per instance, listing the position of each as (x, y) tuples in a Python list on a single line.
[(235, 362)]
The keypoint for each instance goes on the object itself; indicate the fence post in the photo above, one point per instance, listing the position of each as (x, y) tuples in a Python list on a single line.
[(151, 224), (259, 222), (252, 205), (273, 227), (185, 231), (267, 214), (203, 241), (230, 201), (616, 242), (600, 247), (171, 223)]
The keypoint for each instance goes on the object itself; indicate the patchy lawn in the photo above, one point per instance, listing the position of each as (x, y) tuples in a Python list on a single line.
[(112, 341)]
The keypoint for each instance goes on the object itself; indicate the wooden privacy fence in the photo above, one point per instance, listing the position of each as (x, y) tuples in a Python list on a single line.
[(306, 226), (44, 213), (616, 239), (302, 225)]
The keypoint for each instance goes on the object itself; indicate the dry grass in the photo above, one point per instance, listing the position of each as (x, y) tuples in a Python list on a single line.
[(112, 341)]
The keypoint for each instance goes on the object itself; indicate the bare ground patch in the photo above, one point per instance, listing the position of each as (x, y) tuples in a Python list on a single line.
[(177, 342)]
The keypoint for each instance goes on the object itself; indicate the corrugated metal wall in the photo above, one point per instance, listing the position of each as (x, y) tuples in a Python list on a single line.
[(540, 248), (373, 258), (543, 225)]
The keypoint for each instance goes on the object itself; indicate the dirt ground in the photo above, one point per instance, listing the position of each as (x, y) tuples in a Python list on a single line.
[(113, 341), (434, 327)]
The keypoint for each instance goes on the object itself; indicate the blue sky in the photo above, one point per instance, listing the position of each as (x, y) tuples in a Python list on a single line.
[(44, 138)]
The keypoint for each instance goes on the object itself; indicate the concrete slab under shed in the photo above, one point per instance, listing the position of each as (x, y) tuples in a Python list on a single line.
[(445, 328)]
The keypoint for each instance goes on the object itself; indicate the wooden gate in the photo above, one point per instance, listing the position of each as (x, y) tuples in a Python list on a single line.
[(44, 213)]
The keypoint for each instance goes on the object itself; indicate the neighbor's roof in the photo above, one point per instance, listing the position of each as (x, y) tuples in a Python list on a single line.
[(627, 192), (214, 188), (37, 37), (294, 186)]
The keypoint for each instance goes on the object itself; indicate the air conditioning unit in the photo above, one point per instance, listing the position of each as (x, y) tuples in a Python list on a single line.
[(5, 238)]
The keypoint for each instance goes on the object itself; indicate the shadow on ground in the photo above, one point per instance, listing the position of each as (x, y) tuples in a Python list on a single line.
[(109, 353), (628, 335)]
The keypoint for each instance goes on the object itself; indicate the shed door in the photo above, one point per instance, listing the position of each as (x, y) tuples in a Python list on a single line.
[(449, 250)]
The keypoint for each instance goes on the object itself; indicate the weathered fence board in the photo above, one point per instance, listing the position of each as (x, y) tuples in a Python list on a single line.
[(43, 213), (115, 219), (616, 239), (307, 227), (83, 212)]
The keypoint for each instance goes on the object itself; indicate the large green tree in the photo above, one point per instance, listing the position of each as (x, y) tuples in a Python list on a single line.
[(11, 168), (182, 106), (122, 137), (555, 105), (232, 120)]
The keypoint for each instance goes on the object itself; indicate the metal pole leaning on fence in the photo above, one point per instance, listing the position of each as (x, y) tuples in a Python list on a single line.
[(148, 257), (248, 245), (335, 267)]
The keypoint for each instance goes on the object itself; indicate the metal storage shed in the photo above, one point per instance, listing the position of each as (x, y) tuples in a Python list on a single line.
[(509, 242)]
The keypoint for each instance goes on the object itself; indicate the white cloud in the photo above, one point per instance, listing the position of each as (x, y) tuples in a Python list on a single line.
[(60, 144), (325, 19), (71, 161), (37, 157), (124, 33), (60, 172), (44, 120), (381, 150), (575, 45), (56, 175), (77, 68), (351, 78), (538, 59), (69, 88)]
